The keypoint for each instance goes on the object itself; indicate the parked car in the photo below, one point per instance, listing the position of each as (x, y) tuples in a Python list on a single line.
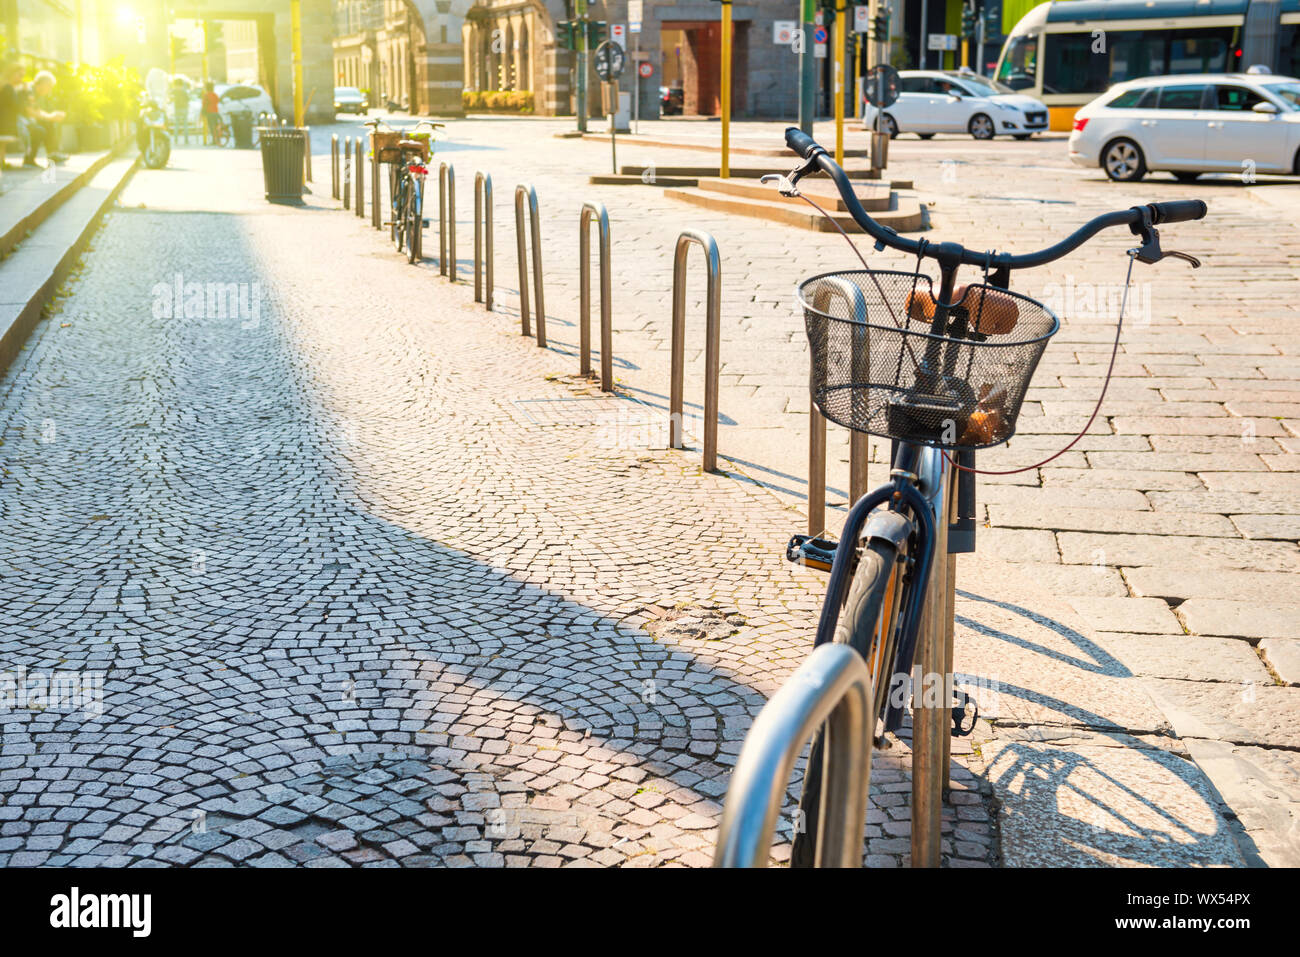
[(671, 100), (348, 99), (943, 101), (1191, 124), (244, 97)]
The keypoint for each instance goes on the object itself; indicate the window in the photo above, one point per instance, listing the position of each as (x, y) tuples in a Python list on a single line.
[(1200, 51), (1131, 99), (1072, 66), (914, 84), (1288, 93), (979, 88), (1019, 69), (1288, 55), (1135, 54), (1185, 97), (1236, 98)]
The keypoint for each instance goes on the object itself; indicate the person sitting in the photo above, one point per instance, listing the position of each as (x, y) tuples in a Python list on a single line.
[(42, 126)]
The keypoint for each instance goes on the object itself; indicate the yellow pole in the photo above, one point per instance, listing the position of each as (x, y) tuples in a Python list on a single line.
[(725, 170), (295, 20), (841, 29), (965, 52), (204, 66)]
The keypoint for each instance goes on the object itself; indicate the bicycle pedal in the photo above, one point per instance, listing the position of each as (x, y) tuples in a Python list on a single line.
[(811, 551), (963, 705)]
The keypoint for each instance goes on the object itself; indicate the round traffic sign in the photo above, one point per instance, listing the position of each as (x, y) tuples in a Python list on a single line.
[(646, 69), (880, 85), (610, 60), (819, 35)]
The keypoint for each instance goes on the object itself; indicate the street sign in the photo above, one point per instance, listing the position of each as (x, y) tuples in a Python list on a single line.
[(783, 32), (618, 33), (819, 35), (942, 41), (635, 9), (861, 19), (646, 69), (610, 60), (880, 85)]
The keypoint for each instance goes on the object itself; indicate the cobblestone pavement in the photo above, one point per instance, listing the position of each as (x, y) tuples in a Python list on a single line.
[(368, 581), (1167, 536)]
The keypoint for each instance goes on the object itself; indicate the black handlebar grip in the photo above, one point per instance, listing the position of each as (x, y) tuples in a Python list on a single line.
[(1179, 211), (800, 142)]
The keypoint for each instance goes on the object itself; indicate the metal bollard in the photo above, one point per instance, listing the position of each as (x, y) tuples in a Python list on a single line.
[(522, 191), (306, 154), (589, 210), (832, 686), (347, 173), (447, 221), (376, 217), (361, 177), (712, 344), (334, 166), (482, 248), (856, 306)]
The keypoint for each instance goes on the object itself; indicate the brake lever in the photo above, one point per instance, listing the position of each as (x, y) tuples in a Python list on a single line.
[(784, 185), (1150, 252)]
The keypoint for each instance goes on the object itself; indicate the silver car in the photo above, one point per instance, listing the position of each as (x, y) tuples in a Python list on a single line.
[(1191, 124), (348, 99)]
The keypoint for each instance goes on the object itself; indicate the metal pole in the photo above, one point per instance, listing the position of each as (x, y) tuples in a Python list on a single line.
[(636, 86), (447, 221), (724, 170), (816, 470), (306, 153), (334, 166), (361, 178), (832, 686), (929, 716), (925, 34), (347, 173), (807, 70), (949, 620), (712, 342), (580, 40), (841, 28), (584, 296), (521, 254), (295, 27), (483, 224), (376, 218)]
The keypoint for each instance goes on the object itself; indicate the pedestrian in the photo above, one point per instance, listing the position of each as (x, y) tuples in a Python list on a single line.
[(211, 114), (41, 126)]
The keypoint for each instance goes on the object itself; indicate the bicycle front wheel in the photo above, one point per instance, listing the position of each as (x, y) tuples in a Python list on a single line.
[(867, 622), (414, 222), (399, 213)]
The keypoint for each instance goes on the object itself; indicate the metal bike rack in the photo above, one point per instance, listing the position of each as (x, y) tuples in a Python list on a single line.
[(347, 172), (833, 685), (482, 227), (447, 221), (334, 166), (523, 191), (361, 177), (589, 210), (712, 343), (857, 307)]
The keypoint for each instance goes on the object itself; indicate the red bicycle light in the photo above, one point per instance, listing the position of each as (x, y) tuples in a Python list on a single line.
[(1079, 124), (420, 170)]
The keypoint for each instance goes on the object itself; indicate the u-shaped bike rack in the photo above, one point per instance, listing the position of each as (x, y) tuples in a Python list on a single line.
[(712, 343), (523, 191), (590, 209), (346, 161), (376, 214), (483, 246), (447, 221), (361, 177), (833, 685), (856, 306)]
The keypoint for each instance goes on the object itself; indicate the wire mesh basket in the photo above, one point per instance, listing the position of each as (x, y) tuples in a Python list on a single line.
[(880, 365)]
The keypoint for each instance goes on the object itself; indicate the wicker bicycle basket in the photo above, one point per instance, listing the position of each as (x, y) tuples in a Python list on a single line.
[(383, 144), (879, 366)]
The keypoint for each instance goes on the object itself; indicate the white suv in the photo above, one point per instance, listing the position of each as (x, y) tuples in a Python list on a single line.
[(940, 101), (1191, 124)]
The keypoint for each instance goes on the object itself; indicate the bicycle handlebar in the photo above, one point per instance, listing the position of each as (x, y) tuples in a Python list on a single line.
[(1176, 211)]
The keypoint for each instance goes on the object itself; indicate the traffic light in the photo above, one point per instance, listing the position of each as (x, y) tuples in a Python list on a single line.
[(880, 25), (597, 33), (566, 34), (968, 22)]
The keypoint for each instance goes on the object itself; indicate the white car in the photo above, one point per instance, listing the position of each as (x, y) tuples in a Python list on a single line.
[(348, 99), (940, 101), (1191, 124), (245, 97)]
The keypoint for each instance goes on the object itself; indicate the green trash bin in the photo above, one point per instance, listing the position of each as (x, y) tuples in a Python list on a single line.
[(282, 162), (241, 126)]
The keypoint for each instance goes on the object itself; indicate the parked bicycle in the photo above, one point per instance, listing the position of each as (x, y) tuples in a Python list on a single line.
[(407, 153), (942, 374)]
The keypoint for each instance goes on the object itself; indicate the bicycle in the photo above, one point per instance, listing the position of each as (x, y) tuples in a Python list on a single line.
[(407, 159), (943, 376)]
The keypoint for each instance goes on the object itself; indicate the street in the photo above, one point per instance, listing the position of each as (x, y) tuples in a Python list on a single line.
[(372, 580)]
